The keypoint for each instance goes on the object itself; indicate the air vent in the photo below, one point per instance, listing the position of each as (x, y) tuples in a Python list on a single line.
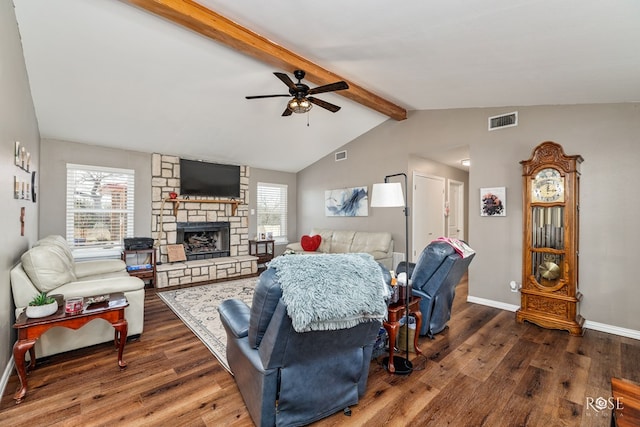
[(341, 155), (503, 121)]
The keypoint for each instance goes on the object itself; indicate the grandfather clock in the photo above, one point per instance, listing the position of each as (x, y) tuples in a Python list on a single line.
[(549, 294)]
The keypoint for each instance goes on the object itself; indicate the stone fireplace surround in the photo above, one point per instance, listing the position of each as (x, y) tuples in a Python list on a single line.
[(166, 215)]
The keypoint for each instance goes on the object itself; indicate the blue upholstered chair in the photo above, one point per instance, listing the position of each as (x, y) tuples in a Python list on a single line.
[(288, 378), (434, 278)]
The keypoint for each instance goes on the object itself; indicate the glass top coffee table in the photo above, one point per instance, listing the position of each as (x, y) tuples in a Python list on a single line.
[(29, 330)]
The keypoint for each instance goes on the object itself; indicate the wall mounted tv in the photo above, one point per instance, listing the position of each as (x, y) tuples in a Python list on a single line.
[(209, 179)]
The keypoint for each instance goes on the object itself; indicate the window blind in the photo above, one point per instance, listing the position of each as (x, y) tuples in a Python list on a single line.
[(100, 205), (272, 210)]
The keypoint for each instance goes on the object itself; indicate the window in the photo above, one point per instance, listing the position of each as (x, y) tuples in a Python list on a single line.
[(99, 205), (272, 210)]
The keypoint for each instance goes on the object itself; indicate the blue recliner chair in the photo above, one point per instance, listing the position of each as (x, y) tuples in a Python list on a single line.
[(434, 278), (290, 378)]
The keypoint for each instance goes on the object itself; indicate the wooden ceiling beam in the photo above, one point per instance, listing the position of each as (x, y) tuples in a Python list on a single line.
[(210, 24)]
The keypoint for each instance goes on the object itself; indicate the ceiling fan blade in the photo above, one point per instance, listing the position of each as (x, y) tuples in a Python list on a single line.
[(323, 104), (266, 96), (329, 88), (287, 80), (286, 112)]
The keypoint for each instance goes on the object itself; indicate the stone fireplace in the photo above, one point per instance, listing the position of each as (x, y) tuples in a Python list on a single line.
[(204, 240), (217, 248)]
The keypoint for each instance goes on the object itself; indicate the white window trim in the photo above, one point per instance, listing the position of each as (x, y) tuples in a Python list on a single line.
[(284, 188), (70, 208)]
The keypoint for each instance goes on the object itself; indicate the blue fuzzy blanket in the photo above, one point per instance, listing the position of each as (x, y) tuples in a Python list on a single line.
[(331, 291)]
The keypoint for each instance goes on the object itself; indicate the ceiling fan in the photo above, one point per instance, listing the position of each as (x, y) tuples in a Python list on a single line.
[(301, 101)]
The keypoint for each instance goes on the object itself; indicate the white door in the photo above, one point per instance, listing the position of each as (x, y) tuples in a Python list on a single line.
[(428, 211), (456, 209)]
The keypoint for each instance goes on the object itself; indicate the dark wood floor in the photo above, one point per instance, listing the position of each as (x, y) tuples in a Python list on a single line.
[(484, 370)]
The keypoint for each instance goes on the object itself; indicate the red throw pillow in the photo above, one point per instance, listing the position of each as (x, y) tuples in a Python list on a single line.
[(310, 243)]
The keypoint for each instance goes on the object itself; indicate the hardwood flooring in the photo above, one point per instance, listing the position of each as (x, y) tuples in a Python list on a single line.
[(484, 370)]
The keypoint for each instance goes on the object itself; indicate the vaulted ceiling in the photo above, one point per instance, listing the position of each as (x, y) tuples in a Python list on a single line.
[(126, 74)]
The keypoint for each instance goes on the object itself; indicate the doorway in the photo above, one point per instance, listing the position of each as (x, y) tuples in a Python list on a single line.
[(455, 206), (428, 211)]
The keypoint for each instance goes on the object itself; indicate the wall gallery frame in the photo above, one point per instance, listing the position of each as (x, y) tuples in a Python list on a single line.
[(346, 202), (493, 201)]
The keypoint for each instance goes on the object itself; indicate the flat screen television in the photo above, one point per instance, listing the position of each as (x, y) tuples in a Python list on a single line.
[(209, 179)]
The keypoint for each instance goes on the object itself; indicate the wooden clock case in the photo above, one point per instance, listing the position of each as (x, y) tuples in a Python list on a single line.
[(550, 294)]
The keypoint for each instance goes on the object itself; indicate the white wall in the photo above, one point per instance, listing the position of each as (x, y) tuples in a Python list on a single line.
[(17, 122)]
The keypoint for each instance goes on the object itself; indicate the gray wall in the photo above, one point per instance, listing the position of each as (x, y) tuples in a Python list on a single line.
[(17, 123), (53, 181), (605, 135), (273, 177), (380, 152), (369, 158)]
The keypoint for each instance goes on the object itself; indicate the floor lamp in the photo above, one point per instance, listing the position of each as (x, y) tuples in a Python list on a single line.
[(389, 195)]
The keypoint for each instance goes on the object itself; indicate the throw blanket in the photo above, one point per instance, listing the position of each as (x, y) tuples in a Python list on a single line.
[(331, 291), (459, 246)]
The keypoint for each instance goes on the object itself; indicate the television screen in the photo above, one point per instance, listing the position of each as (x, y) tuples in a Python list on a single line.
[(209, 179)]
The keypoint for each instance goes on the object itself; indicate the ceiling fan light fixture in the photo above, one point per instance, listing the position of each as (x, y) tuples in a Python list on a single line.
[(299, 106)]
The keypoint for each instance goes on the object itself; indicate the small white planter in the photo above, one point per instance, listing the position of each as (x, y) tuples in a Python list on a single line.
[(36, 311)]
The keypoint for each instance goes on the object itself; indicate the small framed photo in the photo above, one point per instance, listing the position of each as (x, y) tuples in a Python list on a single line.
[(493, 201), (262, 236), (269, 235)]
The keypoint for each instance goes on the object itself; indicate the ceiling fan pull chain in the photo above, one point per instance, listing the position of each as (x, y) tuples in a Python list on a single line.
[(308, 118)]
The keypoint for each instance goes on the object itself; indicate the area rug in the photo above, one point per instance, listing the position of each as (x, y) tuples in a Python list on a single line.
[(197, 307)]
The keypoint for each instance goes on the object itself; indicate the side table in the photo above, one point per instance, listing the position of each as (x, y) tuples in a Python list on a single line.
[(263, 249), (396, 312), (29, 330), (141, 263)]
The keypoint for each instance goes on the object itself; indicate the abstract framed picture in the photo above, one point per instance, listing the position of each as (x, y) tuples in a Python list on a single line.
[(493, 201), (346, 202)]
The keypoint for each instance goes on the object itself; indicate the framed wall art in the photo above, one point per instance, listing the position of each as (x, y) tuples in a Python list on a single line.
[(346, 202), (493, 201)]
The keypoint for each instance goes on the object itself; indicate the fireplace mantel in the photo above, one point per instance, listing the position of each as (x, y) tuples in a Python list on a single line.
[(176, 203)]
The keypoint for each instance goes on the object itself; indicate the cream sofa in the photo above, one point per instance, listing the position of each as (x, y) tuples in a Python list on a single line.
[(378, 244), (49, 267)]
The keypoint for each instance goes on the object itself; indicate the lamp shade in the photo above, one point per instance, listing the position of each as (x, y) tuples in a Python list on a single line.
[(387, 195)]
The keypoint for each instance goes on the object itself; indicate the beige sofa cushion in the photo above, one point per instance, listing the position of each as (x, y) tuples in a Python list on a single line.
[(341, 241), (369, 242), (47, 267), (58, 241), (325, 244)]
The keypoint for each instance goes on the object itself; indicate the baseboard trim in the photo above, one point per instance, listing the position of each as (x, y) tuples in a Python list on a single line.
[(615, 330), (596, 326), (8, 370), (492, 303)]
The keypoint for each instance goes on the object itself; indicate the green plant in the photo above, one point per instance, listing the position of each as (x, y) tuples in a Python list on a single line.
[(42, 299)]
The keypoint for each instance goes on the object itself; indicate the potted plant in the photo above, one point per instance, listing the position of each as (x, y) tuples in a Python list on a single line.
[(42, 305)]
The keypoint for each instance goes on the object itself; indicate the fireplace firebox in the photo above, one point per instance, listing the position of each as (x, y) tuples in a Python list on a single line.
[(203, 240)]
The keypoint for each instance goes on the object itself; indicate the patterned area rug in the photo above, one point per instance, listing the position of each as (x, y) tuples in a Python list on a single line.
[(197, 307)]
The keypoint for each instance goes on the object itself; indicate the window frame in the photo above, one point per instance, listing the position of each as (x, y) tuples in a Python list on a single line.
[(126, 180), (283, 189)]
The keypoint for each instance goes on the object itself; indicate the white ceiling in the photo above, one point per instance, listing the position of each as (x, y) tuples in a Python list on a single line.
[(104, 72)]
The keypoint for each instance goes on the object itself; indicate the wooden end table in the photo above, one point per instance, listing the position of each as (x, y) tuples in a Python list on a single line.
[(396, 312), (29, 330)]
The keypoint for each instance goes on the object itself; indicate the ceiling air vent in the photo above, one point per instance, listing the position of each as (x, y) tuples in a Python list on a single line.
[(503, 121), (341, 155)]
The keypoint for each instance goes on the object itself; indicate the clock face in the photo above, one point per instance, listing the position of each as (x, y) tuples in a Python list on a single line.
[(548, 186)]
